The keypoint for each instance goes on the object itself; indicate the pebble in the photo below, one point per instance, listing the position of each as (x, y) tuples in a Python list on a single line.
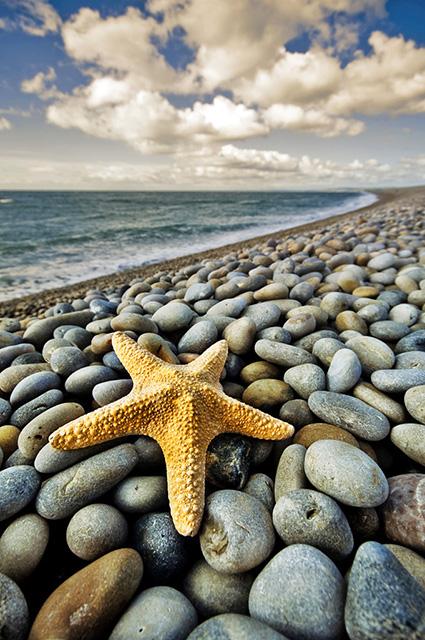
[(30, 410), (344, 371), (300, 325), (36, 433), (296, 412), (95, 530), (106, 392), (383, 599), (325, 349), (372, 353), (51, 460), (66, 360), (69, 490), (308, 517), (414, 400), (164, 551), (267, 393), (411, 561), (345, 473), (305, 379), (173, 316), (234, 626), (232, 307), (133, 322), (9, 439), (33, 386), (350, 321), (8, 354), (290, 473), (415, 341), (282, 354), (397, 380), (388, 330), (40, 331), (5, 411), (198, 291), (402, 514), (260, 486), (198, 338), (85, 379), (237, 532), (300, 593), (408, 360), (406, 314), (379, 401), (22, 546), (87, 603), (240, 335), (349, 413), (382, 261), (257, 371), (141, 494), (322, 431), (11, 376), (213, 592), (14, 614), (18, 487), (176, 620), (228, 461), (410, 438), (264, 314)]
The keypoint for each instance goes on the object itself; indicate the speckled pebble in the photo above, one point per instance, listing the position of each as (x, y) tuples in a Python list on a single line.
[(414, 400), (95, 530), (310, 517), (213, 592), (305, 379), (84, 482), (14, 614), (345, 473), (22, 546), (300, 593), (344, 371), (157, 613), (237, 532), (383, 599), (290, 473), (18, 487)]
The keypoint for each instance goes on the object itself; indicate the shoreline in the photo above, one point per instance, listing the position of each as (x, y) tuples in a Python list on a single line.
[(36, 303)]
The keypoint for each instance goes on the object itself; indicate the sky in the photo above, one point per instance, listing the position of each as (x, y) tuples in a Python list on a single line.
[(211, 94)]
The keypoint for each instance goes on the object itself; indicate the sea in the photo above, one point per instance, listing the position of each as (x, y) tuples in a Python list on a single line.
[(55, 238)]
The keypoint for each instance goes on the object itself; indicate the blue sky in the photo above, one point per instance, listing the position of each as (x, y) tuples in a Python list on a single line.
[(194, 94)]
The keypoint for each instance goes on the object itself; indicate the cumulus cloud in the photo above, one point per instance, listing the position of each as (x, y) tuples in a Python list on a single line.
[(5, 124), (149, 122), (242, 82)]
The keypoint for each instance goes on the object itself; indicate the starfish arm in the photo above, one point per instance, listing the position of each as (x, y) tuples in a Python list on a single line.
[(209, 365), (185, 465), (140, 363), (124, 417), (237, 417)]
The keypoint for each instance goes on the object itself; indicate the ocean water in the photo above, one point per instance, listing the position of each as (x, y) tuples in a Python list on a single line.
[(50, 239)]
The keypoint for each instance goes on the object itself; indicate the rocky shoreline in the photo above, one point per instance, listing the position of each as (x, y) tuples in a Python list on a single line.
[(318, 537), (39, 302)]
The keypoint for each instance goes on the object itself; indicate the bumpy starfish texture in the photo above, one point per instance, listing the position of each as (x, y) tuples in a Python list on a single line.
[(183, 408)]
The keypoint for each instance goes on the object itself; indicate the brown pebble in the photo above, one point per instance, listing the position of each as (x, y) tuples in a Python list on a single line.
[(322, 431), (85, 605)]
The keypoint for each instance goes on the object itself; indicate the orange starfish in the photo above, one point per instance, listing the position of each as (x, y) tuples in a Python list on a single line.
[(183, 408)]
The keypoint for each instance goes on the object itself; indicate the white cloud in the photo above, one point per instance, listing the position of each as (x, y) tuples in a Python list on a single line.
[(39, 84), (390, 80), (122, 44), (5, 124), (242, 83), (3, 24), (295, 78), (36, 17), (296, 118)]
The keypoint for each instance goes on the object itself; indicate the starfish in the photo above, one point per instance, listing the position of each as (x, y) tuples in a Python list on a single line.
[(183, 407)]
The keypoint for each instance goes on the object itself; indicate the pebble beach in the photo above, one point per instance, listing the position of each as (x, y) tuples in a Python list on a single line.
[(317, 537)]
